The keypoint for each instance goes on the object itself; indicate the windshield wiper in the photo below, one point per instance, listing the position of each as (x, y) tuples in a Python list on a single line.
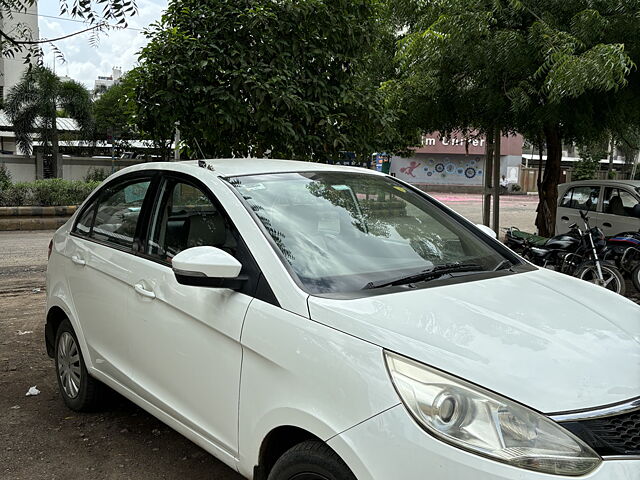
[(428, 274)]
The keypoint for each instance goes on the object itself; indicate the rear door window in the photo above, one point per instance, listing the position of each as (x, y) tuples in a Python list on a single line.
[(118, 211)]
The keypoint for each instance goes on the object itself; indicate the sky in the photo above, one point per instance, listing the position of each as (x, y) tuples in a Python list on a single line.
[(116, 48)]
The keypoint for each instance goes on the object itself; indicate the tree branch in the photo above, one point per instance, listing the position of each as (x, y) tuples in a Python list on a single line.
[(47, 40)]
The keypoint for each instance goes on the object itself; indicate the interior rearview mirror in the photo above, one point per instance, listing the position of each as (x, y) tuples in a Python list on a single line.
[(207, 267), (486, 230)]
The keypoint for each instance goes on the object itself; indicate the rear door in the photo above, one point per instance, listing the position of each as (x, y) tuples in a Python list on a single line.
[(100, 248), (582, 197), (184, 340), (616, 217)]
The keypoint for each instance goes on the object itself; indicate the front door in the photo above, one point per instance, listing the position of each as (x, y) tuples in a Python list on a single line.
[(185, 341)]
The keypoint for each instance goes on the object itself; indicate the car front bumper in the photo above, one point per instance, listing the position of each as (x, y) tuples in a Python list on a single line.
[(392, 446)]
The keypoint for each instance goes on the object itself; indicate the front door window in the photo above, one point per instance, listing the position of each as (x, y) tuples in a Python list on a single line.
[(186, 217)]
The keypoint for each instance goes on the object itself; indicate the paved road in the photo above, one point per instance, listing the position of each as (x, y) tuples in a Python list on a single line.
[(515, 210)]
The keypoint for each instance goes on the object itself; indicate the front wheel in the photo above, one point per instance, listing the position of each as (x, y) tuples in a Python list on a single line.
[(613, 279), (635, 277), (310, 460)]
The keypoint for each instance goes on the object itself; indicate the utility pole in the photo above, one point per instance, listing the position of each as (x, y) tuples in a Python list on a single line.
[(496, 181), (176, 146), (488, 172)]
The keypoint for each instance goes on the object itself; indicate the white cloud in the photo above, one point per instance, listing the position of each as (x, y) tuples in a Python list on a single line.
[(115, 48)]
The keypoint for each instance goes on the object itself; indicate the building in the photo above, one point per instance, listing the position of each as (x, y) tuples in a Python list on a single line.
[(102, 83), (19, 25), (454, 163)]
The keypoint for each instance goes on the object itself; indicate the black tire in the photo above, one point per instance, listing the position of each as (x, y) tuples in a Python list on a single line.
[(310, 460), (635, 277), (615, 281), (80, 391)]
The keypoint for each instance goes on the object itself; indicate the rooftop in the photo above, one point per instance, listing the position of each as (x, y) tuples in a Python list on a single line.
[(233, 167), (63, 124)]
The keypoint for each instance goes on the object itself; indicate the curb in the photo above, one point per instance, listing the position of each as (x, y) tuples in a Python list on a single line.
[(34, 211), (34, 218), (17, 223)]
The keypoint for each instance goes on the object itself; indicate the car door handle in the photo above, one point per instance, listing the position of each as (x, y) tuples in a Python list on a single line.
[(565, 218), (139, 288), (78, 261), (606, 224)]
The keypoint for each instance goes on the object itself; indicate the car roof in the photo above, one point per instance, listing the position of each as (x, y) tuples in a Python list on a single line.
[(630, 183), (232, 167)]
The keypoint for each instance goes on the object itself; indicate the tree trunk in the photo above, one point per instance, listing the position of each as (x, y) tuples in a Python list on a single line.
[(55, 149), (548, 189), (612, 148)]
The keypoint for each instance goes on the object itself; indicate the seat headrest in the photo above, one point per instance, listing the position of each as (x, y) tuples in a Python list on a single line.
[(616, 206)]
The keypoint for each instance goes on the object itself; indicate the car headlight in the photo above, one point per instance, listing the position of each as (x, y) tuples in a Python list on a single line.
[(482, 422)]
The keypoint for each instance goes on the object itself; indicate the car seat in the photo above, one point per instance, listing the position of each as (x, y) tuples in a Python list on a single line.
[(616, 207)]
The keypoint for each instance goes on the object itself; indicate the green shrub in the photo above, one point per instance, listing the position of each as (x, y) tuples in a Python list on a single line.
[(96, 174), (5, 177), (45, 193), (515, 187)]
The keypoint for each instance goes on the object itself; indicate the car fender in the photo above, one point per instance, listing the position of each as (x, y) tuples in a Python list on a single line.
[(300, 373)]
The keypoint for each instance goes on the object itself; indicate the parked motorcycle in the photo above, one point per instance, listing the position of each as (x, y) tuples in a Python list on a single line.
[(624, 250), (577, 253)]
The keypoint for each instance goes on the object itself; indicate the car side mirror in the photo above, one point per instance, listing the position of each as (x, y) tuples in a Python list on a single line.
[(486, 230), (635, 211), (207, 267)]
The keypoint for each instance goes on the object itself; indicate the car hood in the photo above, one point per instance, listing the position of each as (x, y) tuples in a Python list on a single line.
[(549, 341)]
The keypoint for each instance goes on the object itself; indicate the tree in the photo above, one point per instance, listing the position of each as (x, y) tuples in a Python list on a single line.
[(257, 77), (114, 111), (32, 106), (550, 69), (99, 15)]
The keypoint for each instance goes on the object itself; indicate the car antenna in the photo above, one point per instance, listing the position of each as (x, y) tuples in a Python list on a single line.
[(198, 145)]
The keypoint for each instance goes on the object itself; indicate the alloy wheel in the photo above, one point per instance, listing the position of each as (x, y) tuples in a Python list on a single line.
[(69, 369), (611, 280)]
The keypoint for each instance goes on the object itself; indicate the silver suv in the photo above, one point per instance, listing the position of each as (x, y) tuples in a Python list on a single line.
[(615, 205)]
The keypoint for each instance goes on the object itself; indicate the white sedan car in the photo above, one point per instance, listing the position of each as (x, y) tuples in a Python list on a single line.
[(310, 322)]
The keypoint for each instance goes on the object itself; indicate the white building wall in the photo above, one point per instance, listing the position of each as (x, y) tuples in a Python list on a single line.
[(12, 69)]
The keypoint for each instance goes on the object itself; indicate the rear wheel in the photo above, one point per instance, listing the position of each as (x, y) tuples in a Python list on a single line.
[(613, 279), (310, 460), (635, 277), (79, 391)]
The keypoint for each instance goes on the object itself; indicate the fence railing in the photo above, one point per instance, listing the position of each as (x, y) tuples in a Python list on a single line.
[(529, 177)]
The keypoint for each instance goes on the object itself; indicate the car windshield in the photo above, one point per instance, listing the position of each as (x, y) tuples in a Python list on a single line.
[(340, 232)]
